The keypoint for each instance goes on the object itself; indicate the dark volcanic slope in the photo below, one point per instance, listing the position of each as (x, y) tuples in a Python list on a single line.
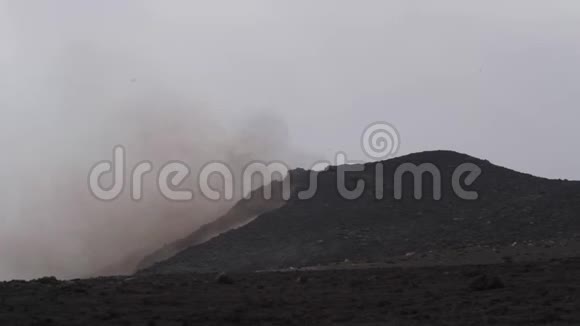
[(327, 229), (243, 212)]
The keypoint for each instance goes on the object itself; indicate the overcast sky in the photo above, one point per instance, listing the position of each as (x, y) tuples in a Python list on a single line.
[(495, 79), (296, 80)]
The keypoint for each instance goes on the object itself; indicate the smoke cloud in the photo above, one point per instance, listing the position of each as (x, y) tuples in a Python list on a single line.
[(71, 100)]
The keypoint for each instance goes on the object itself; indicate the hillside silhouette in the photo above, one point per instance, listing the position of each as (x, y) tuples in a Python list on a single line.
[(513, 209)]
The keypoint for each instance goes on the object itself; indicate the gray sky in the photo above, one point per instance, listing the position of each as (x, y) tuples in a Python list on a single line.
[(499, 80), (495, 79)]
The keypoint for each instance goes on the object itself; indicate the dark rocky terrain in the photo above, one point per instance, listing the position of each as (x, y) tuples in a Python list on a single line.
[(540, 293), (242, 213), (513, 210), (511, 257)]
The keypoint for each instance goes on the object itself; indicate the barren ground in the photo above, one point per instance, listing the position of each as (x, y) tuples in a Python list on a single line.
[(540, 293)]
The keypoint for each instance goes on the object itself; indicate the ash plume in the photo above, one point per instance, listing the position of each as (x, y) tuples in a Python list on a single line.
[(64, 113)]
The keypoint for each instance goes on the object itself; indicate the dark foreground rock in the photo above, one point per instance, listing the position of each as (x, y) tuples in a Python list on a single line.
[(541, 293), (486, 282)]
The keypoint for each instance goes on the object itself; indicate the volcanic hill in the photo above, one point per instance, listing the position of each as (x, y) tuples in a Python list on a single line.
[(513, 209)]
